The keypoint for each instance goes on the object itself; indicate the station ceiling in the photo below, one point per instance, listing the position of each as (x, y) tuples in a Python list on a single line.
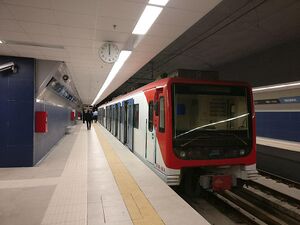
[(73, 31), (231, 31), (190, 34)]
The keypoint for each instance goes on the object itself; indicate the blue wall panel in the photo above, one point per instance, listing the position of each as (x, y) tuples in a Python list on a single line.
[(278, 125), (16, 113), (58, 120)]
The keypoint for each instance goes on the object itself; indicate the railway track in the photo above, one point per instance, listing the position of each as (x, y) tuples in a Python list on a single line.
[(258, 203), (290, 183), (263, 205)]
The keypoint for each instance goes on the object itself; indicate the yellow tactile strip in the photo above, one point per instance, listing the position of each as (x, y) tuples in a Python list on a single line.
[(139, 208)]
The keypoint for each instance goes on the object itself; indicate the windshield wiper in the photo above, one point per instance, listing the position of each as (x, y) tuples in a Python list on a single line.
[(215, 134), (194, 139), (212, 124), (234, 135)]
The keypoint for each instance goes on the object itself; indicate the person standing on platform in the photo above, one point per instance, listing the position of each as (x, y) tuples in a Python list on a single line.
[(95, 116), (83, 116), (88, 118)]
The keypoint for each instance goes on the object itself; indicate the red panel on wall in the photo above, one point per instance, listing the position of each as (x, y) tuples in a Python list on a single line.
[(72, 116), (41, 123)]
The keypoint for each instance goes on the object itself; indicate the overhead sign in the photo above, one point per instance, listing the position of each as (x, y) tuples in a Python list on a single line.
[(289, 100), (283, 100), (266, 101)]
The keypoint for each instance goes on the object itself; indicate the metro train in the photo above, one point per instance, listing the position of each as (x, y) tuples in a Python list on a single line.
[(188, 130)]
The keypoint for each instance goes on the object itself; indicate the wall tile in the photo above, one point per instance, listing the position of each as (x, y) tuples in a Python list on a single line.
[(16, 129), (20, 128), (278, 125), (58, 120), (14, 156)]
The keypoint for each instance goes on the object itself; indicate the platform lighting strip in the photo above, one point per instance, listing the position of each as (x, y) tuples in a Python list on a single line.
[(150, 14), (276, 86), (146, 20), (158, 2), (112, 74)]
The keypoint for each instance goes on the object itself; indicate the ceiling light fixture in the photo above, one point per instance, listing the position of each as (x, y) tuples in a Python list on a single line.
[(277, 86), (158, 2), (33, 44), (146, 20), (1, 42), (112, 74)]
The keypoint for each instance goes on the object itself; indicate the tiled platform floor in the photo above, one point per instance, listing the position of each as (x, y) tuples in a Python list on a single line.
[(79, 183)]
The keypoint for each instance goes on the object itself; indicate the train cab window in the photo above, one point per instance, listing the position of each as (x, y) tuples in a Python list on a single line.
[(211, 121), (162, 114), (150, 116), (136, 116)]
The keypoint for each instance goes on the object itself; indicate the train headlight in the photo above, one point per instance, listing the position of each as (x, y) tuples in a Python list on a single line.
[(182, 154), (242, 152)]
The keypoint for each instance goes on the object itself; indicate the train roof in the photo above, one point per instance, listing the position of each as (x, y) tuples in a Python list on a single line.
[(169, 80)]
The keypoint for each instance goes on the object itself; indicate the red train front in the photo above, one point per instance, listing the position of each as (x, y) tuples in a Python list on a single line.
[(195, 128)]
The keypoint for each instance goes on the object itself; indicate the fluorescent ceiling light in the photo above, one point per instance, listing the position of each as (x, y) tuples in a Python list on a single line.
[(277, 86), (147, 19), (112, 74), (158, 2), (1, 42)]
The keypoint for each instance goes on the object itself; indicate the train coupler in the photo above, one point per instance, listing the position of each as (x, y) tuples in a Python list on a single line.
[(216, 182)]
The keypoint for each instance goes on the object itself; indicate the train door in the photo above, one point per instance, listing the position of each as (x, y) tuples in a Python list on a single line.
[(130, 124), (150, 135), (116, 120), (110, 118), (157, 119), (104, 117), (112, 127), (124, 122), (119, 121), (107, 118)]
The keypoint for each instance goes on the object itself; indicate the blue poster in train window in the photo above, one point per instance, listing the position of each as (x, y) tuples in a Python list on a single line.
[(180, 109)]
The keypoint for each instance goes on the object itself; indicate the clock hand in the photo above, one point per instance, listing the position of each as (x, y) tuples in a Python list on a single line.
[(109, 49)]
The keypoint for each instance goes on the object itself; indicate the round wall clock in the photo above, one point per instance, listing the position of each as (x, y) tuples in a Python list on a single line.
[(109, 52)]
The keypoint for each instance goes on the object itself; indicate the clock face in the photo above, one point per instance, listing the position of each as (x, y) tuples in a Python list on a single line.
[(109, 52)]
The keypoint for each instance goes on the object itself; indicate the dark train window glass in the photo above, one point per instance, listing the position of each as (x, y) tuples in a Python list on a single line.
[(150, 116), (122, 114), (161, 114), (107, 116), (156, 108), (136, 116), (115, 113), (119, 114)]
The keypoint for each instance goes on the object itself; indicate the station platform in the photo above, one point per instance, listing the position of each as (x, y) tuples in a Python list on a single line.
[(90, 178)]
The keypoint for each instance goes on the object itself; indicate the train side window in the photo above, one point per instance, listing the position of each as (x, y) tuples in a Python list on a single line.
[(136, 116), (162, 114), (150, 116)]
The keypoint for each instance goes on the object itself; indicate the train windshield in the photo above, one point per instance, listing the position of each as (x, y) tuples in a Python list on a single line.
[(211, 121)]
